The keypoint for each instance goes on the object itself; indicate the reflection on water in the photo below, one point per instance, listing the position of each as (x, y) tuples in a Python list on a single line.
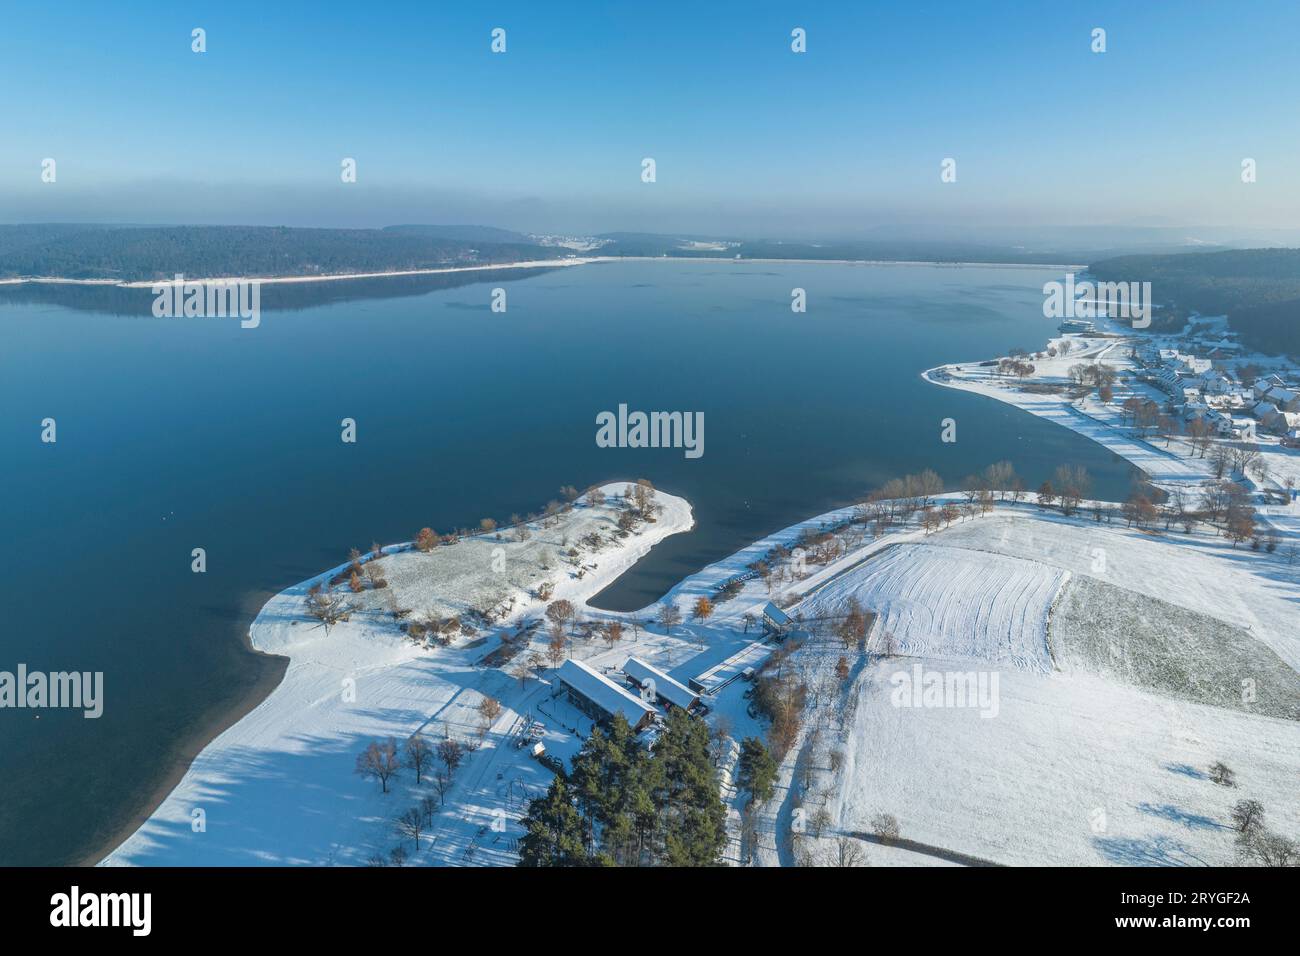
[(281, 296)]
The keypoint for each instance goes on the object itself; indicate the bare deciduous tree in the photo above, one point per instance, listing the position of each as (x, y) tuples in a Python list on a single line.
[(1222, 774), (560, 612), (885, 827), (451, 753), (427, 806), (418, 754), (1247, 816), (489, 708), (442, 783), (556, 647), (328, 606), (668, 616), (411, 824), (380, 760), (846, 851)]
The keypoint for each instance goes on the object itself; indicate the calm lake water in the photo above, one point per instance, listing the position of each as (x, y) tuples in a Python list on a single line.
[(182, 433)]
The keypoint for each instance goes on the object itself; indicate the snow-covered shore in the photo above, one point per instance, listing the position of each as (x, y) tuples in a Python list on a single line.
[(1078, 765), (528, 264), (1162, 466), (287, 280), (278, 786)]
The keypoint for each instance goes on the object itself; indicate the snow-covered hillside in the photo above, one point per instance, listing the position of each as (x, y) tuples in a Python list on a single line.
[(924, 597), (1078, 764)]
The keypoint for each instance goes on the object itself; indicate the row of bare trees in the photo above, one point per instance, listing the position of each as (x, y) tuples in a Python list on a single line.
[(427, 539), (383, 760)]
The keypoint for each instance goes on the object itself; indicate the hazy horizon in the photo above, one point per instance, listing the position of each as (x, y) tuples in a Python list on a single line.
[(748, 137)]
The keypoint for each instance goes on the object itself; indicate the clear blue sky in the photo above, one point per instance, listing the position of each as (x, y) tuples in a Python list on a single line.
[(748, 136)]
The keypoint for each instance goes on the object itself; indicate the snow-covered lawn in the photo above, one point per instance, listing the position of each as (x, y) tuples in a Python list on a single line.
[(951, 603)]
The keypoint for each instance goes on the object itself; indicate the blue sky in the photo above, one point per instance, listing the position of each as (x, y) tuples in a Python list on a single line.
[(748, 136)]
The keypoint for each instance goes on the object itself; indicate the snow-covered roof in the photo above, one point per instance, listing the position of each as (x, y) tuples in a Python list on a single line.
[(679, 695), (776, 615), (603, 692)]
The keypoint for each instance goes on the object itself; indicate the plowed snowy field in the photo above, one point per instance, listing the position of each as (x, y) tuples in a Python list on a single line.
[(947, 603)]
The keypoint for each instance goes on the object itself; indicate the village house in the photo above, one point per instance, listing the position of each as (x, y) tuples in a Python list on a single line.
[(1265, 411), (1213, 383), (1262, 385), (1191, 365), (1287, 424), (1168, 380), (1285, 398)]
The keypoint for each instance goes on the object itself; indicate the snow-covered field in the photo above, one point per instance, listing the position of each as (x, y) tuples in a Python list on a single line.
[(922, 596), (1073, 770), (1076, 766), (1132, 638)]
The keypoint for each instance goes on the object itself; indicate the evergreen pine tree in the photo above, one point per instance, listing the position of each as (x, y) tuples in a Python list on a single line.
[(555, 833), (757, 770)]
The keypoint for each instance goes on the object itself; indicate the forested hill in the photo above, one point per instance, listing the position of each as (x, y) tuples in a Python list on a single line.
[(134, 253), (1258, 289)]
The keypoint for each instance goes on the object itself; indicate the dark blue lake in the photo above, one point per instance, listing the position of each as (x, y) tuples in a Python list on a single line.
[(182, 433)]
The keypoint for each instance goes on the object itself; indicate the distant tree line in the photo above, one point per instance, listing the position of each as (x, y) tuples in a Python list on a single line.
[(139, 253), (1258, 289)]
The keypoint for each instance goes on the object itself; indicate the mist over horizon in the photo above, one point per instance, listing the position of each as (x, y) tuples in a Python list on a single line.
[(1050, 140)]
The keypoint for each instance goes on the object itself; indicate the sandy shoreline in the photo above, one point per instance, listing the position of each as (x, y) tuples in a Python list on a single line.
[(529, 264)]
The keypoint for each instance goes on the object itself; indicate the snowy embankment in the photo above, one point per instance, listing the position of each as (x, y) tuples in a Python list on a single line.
[(278, 787), (1165, 467)]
